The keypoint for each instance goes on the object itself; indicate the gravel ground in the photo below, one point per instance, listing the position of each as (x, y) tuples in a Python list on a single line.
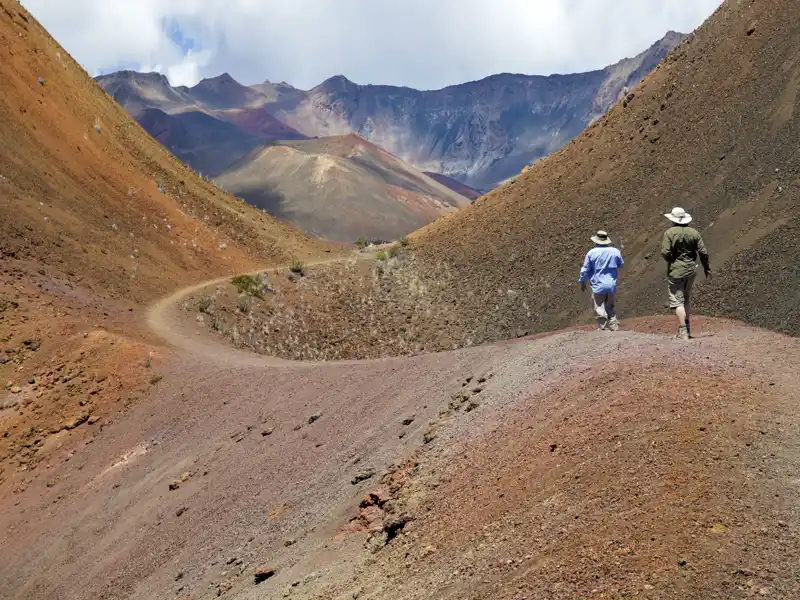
[(254, 470)]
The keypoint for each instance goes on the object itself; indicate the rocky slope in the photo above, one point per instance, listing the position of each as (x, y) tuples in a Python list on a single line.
[(340, 188), (478, 133)]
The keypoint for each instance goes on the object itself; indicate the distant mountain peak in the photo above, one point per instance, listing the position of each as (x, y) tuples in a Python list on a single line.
[(337, 83), (223, 79)]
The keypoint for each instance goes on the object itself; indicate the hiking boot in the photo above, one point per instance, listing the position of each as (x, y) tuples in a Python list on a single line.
[(613, 325), (683, 333)]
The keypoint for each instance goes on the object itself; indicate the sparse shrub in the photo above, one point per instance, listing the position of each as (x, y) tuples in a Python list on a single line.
[(147, 364), (250, 285), (216, 323), (155, 379), (243, 303), (204, 304), (297, 267), (404, 241), (381, 255), (362, 242), (394, 250)]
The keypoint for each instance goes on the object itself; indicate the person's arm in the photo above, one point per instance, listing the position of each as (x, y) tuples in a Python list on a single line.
[(704, 259), (666, 247), (620, 260), (586, 271)]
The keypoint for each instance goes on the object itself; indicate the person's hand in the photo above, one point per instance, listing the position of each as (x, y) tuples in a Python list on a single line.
[(583, 286), (709, 274)]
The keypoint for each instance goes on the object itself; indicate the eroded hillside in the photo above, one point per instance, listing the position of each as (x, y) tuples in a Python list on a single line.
[(96, 221)]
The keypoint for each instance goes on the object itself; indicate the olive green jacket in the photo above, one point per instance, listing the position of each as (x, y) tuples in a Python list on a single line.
[(681, 247)]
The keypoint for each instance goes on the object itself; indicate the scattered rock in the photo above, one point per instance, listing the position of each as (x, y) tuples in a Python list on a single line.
[(363, 476), (4, 359), (93, 420), (77, 421), (262, 574), (428, 551), (174, 485), (180, 511), (315, 417), (15, 389), (409, 420), (288, 543), (32, 344), (267, 431), (395, 525), (429, 435)]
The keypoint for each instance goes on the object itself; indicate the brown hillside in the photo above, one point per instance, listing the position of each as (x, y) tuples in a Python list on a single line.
[(714, 129), (454, 185), (87, 239), (340, 188)]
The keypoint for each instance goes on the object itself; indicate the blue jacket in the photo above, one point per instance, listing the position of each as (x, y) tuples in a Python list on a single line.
[(600, 269)]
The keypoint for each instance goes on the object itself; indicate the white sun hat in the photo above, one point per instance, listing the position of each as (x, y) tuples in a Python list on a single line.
[(601, 237), (679, 216)]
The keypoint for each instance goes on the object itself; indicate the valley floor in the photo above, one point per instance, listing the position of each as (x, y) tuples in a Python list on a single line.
[(580, 464)]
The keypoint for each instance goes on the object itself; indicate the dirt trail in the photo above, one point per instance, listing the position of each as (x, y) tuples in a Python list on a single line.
[(164, 318)]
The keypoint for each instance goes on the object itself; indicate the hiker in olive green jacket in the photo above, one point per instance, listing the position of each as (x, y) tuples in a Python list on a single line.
[(680, 248)]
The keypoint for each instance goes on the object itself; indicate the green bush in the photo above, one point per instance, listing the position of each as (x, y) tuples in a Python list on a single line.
[(243, 303), (204, 303), (297, 267), (250, 285), (394, 250), (404, 241), (381, 255), (362, 242)]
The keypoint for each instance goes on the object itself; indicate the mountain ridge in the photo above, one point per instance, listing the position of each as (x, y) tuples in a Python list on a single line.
[(479, 133)]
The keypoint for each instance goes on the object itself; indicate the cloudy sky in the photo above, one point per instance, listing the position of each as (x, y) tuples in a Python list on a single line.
[(419, 43)]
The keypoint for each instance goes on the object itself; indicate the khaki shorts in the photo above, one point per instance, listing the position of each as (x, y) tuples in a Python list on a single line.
[(680, 290)]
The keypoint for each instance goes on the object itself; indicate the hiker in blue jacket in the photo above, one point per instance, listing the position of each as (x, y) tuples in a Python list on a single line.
[(600, 269)]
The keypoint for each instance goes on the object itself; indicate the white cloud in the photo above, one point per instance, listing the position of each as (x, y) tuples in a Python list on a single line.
[(419, 43)]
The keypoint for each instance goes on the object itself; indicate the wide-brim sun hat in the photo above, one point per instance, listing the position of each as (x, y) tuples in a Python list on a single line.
[(601, 237), (679, 216)]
